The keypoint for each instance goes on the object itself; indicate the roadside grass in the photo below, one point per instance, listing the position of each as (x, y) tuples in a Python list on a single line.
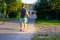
[(39, 23), (7, 19), (38, 37), (46, 23)]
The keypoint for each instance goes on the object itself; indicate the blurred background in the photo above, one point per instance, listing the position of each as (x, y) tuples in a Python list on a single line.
[(44, 9)]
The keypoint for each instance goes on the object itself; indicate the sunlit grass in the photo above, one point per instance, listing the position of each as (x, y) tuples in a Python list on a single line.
[(46, 23)]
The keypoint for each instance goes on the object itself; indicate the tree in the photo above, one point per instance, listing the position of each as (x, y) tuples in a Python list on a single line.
[(42, 7), (12, 7), (1, 8), (47, 9), (1, 5), (56, 7)]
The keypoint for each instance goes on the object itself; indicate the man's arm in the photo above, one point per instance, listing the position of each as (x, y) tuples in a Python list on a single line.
[(27, 13)]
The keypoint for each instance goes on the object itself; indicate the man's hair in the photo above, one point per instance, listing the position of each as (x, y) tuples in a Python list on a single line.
[(23, 5)]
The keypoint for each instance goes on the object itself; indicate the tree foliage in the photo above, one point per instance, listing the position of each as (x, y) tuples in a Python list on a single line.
[(42, 7), (47, 9), (11, 7), (1, 5)]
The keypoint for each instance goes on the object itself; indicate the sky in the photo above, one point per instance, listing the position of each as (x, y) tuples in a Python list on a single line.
[(28, 1)]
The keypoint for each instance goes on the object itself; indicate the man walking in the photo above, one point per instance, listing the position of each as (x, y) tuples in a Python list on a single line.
[(23, 18)]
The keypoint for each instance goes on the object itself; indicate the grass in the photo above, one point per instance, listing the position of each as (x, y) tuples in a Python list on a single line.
[(54, 37), (47, 22), (6, 19)]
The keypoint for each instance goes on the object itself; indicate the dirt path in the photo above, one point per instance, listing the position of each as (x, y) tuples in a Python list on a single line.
[(10, 30)]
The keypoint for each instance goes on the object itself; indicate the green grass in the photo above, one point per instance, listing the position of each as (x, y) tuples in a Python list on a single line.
[(37, 37), (47, 22), (6, 19)]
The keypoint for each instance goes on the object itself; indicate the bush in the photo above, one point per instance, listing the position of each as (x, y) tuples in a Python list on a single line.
[(12, 15), (45, 10)]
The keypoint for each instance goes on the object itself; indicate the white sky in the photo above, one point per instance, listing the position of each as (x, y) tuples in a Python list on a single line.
[(28, 1)]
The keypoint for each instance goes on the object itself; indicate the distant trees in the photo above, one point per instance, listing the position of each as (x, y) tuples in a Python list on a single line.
[(47, 9), (1, 8), (11, 7), (56, 7)]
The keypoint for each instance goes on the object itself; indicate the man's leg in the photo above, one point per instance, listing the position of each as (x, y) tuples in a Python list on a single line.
[(25, 26), (20, 26)]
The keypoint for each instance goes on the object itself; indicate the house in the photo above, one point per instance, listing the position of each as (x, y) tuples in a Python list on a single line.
[(30, 9)]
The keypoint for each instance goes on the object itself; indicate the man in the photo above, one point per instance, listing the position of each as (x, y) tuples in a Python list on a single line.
[(23, 18)]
